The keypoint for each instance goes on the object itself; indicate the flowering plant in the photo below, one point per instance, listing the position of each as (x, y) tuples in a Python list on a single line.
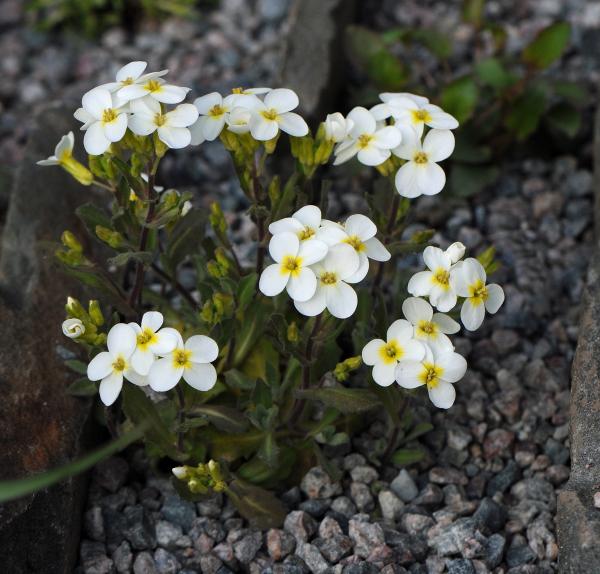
[(268, 356)]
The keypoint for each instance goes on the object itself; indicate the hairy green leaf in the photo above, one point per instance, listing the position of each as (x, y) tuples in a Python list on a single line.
[(548, 46), (343, 399)]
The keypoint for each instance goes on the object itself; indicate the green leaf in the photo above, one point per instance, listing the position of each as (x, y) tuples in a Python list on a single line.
[(123, 258), (573, 92), (524, 116), (491, 72), (548, 46), (438, 43), (418, 430), (185, 237), (472, 12), (469, 180), (246, 290), (406, 456), (82, 387), (370, 53), (231, 447), (564, 118), (261, 508), (459, 98), (92, 216), (78, 366), (344, 400), (238, 381), (227, 419), (11, 489)]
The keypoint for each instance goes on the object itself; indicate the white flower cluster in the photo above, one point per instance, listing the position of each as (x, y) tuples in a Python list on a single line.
[(317, 260), (417, 350), (367, 135), (148, 355)]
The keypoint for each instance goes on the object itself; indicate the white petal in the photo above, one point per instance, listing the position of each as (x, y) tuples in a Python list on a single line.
[(142, 360), (110, 387), (370, 352), (388, 137), (343, 155), (115, 130), (315, 305), (331, 235), (438, 342), (431, 178), (48, 161), (420, 284), (205, 103), (96, 101), (121, 340), (163, 375), (132, 92), (446, 324), (311, 251), (200, 376), (173, 334), (212, 127), (94, 140), (272, 280), (132, 70), (175, 138), (442, 395), (384, 374), (361, 226), (440, 119), (409, 146), (309, 216), (302, 285), (65, 145), (100, 366), (364, 122), (456, 251), (436, 259), (142, 124), (135, 378), (376, 250), (153, 320), (197, 131), (343, 260), (413, 351), (401, 330), (472, 315), (261, 128), (438, 144), (282, 99), (182, 116), (495, 298), (470, 272), (408, 374), (416, 309), (341, 300), (406, 180), (381, 112), (454, 366), (84, 117), (289, 224), (204, 349), (361, 272), (443, 299), (388, 96), (170, 94), (292, 124), (283, 244), (166, 342), (373, 155)]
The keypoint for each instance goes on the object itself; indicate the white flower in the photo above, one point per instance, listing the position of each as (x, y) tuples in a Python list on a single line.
[(333, 292), (436, 282), (366, 139), (214, 112), (438, 370), (429, 327), (151, 341), (110, 367), (291, 270), (304, 223), (172, 127), (421, 175), (456, 252), (337, 127), (388, 96), (359, 232), (153, 88), (104, 121), (238, 120), (73, 328), (384, 355), (132, 73), (62, 152), (418, 115), (274, 114), (191, 361), (469, 281), (261, 91)]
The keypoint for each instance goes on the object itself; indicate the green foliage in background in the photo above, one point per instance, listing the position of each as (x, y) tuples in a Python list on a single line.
[(499, 98)]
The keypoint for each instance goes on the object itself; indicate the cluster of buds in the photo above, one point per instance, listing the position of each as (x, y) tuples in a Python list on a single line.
[(342, 370), (201, 479), (82, 325)]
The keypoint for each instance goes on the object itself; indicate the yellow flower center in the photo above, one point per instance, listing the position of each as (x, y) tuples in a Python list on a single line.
[(127, 81), (153, 86), (306, 233), (421, 116), (216, 111), (269, 114), (328, 278), (145, 338), (427, 328), (355, 242), (181, 358), (109, 115), (478, 292), (239, 90), (391, 352), (364, 140), (430, 375), (160, 119), (442, 278), (420, 157), (119, 365), (291, 264)]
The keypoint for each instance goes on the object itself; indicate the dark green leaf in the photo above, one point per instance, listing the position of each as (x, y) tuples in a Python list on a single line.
[(238, 381), (524, 116), (82, 387), (459, 98), (472, 12), (78, 366), (548, 45), (227, 419), (491, 72), (343, 399), (438, 43), (418, 430), (124, 258), (246, 290), (406, 456), (92, 216), (185, 238), (565, 118), (573, 92), (260, 507)]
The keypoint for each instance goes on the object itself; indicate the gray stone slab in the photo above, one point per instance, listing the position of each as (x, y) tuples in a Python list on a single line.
[(41, 427)]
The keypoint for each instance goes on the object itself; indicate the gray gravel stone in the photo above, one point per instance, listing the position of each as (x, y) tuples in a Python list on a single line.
[(365, 536), (404, 486), (312, 557), (246, 548), (300, 525), (280, 543), (140, 528), (94, 559), (179, 511), (166, 563), (167, 534), (111, 473), (318, 484), (391, 505)]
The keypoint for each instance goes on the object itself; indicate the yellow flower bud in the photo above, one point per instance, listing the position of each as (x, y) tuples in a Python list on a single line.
[(95, 313), (81, 173), (69, 240), (75, 309)]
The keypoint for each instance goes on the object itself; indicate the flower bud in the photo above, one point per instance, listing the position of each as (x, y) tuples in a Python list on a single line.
[(70, 241), (456, 251), (336, 127), (95, 313), (270, 145), (81, 173), (73, 328), (75, 309), (185, 208), (110, 237), (293, 333), (180, 472)]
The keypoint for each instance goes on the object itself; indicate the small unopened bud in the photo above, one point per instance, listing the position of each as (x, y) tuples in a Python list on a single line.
[(73, 328), (81, 173), (180, 472), (75, 309), (456, 251), (95, 313), (69, 240), (185, 209), (293, 333), (110, 237)]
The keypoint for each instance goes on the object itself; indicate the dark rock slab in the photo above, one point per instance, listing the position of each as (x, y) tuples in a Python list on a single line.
[(40, 426), (578, 521), (314, 64)]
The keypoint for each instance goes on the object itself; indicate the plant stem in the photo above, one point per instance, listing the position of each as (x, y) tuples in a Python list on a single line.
[(176, 285), (180, 417), (386, 239)]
